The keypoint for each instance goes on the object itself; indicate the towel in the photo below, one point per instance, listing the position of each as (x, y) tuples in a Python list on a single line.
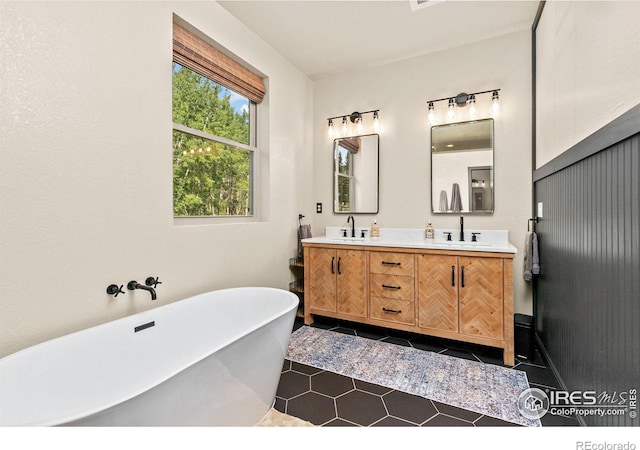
[(535, 258), (304, 232), (456, 201), (444, 203), (531, 257)]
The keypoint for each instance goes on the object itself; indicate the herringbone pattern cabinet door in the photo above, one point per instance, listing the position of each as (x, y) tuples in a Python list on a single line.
[(322, 279), (438, 292), (352, 282), (481, 297)]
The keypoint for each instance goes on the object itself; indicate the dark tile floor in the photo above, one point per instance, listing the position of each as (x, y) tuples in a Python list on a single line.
[(329, 399)]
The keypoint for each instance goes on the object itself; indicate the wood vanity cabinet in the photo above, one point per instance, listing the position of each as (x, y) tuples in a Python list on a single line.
[(461, 294), (391, 287), (337, 281), (453, 294)]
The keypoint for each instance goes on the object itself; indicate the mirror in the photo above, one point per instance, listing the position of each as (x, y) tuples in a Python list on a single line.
[(462, 167), (355, 174)]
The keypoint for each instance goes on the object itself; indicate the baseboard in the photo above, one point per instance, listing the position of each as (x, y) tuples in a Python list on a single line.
[(549, 363)]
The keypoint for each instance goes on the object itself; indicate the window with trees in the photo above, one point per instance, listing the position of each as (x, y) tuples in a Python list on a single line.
[(214, 139), (344, 179)]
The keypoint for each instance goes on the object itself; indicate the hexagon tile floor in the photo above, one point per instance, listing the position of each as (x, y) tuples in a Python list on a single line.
[(329, 399)]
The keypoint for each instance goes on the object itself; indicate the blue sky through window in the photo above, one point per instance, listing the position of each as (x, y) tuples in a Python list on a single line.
[(238, 102)]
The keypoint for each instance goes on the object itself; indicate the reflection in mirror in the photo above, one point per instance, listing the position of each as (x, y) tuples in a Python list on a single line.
[(462, 167), (355, 180)]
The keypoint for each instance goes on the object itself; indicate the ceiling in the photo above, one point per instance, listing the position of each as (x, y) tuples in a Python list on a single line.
[(325, 38)]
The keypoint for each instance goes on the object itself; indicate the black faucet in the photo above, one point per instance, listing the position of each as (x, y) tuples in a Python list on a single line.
[(132, 285), (353, 225), (461, 228)]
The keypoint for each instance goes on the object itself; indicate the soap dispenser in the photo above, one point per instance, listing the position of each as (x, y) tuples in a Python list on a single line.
[(429, 232), (375, 230)]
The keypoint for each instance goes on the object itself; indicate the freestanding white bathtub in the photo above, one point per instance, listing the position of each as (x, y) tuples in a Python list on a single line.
[(210, 360)]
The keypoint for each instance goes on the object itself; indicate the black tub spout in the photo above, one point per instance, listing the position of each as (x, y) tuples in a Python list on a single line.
[(133, 285)]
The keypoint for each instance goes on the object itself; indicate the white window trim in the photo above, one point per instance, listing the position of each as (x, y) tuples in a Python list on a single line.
[(254, 172)]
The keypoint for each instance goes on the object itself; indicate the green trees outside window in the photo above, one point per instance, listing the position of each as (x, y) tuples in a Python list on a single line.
[(212, 148)]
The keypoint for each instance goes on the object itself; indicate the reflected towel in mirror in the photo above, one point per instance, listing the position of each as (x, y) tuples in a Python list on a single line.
[(444, 201), (456, 200)]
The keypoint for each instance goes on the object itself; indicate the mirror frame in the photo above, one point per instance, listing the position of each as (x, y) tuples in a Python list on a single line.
[(377, 174), (468, 188)]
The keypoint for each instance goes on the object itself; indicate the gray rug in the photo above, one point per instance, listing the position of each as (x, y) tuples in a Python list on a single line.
[(484, 388)]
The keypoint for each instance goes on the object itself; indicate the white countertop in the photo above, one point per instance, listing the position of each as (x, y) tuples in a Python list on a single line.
[(487, 240)]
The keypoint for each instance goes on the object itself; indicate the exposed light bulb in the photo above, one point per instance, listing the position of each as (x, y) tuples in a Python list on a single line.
[(344, 125), (473, 111), (451, 111), (330, 130), (359, 125), (432, 114), (495, 104), (376, 122)]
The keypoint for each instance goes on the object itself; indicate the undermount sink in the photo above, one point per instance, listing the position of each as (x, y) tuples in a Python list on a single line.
[(454, 244), (348, 239)]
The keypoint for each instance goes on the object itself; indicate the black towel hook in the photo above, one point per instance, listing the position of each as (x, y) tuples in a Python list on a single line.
[(300, 217), (534, 220)]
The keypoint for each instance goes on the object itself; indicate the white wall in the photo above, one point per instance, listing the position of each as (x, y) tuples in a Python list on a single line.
[(85, 181), (401, 90), (587, 70)]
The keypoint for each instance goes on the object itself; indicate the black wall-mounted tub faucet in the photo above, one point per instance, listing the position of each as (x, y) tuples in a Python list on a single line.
[(133, 285), (114, 289)]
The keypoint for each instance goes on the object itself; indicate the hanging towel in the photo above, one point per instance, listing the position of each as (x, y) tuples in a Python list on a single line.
[(444, 202), (531, 257), (456, 201), (535, 257), (304, 232)]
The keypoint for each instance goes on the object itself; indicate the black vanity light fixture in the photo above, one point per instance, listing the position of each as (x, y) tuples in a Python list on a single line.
[(356, 118), (461, 100)]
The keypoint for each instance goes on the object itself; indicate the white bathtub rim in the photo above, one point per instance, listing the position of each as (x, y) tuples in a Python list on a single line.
[(125, 396)]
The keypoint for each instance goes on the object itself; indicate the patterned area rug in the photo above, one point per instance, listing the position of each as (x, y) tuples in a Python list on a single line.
[(484, 388)]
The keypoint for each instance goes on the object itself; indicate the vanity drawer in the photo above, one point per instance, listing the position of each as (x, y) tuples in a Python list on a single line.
[(399, 287), (399, 311), (391, 263)]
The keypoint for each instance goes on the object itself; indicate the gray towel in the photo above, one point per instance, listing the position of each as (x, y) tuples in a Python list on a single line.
[(456, 200), (304, 232), (531, 257), (535, 257), (444, 202)]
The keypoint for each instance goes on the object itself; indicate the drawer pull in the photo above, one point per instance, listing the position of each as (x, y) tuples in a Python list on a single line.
[(453, 275), (393, 311), (395, 288), (387, 263)]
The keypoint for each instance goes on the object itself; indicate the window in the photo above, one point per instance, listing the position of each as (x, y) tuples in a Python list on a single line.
[(214, 123), (344, 179)]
